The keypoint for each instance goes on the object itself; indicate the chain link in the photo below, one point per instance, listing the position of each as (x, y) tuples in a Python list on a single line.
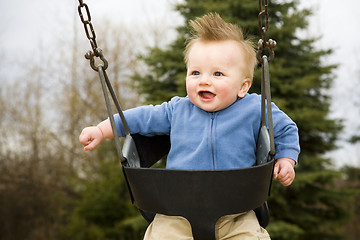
[(264, 26), (263, 15), (91, 36)]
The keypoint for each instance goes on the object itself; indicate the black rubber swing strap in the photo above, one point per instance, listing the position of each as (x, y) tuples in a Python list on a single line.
[(266, 98), (103, 77), (128, 154)]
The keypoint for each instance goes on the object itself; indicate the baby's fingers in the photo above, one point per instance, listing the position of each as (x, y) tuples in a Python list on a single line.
[(286, 177), (91, 145), (90, 137), (286, 181), (84, 139), (276, 171)]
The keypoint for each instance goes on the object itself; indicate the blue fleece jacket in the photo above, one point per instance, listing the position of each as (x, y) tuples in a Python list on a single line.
[(212, 140)]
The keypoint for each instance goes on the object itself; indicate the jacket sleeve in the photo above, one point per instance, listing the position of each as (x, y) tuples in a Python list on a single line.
[(146, 120), (285, 134)]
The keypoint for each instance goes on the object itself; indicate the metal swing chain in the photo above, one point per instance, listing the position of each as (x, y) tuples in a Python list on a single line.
[(264, 26), (90, 34), (104, 80)]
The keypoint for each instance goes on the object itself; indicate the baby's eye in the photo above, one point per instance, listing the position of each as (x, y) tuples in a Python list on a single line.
[(195, 73), (218, 74)]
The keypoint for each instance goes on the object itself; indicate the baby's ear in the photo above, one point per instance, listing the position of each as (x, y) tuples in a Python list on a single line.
[(244, 88)]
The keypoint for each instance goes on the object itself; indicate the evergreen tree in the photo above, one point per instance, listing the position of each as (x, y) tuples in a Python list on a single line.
[(352, 180), (314, 206)]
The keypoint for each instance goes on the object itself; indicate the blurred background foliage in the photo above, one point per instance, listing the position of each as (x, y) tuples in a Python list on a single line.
[(51, 189)]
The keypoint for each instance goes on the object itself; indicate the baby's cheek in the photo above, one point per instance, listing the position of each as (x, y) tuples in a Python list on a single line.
[(190, 90), (227, 93)]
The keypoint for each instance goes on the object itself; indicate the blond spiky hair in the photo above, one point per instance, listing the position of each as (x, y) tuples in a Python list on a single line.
[(211, 27)]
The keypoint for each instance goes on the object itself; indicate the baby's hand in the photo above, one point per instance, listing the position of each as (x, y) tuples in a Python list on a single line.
[(284, 171), (90, 137)]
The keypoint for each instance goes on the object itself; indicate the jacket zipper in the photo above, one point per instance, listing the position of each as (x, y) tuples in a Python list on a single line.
[(212, 139)]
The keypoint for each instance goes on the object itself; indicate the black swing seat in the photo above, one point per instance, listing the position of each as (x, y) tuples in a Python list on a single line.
[(202, 197)]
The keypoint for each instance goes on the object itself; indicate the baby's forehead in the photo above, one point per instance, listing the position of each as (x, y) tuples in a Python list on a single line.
[(218, 49)]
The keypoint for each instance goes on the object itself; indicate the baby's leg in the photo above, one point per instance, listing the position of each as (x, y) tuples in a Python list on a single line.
[(168, 227), (244, 226)]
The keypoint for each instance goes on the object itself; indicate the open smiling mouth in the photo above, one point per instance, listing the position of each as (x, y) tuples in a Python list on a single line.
[(206, 95)]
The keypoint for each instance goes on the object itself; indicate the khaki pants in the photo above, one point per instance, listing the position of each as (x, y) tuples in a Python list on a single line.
[(244, 226)]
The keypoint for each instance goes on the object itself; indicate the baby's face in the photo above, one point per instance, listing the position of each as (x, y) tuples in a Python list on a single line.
[(215, 76)]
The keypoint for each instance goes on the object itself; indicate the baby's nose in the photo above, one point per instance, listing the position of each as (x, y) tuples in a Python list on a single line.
[(204, 80)]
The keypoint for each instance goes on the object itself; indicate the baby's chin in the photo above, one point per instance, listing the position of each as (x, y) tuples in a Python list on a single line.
[(210, 107)]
